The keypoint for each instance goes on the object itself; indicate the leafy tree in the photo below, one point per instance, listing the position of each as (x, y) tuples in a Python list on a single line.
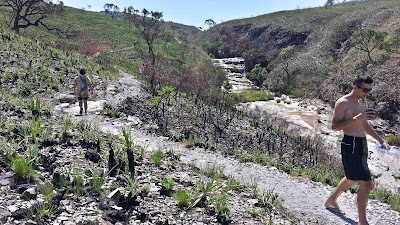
[(26, 13), (392, 45), (150, 26), (258, 74), (367, 41), (129, 14), (210, 22), (111, 9), (329, 3), (284, 59)]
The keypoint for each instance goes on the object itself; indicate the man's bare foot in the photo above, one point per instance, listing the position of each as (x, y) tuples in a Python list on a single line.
[(333, 207)]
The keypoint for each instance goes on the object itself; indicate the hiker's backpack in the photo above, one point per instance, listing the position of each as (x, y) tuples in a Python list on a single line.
[(81, 84)]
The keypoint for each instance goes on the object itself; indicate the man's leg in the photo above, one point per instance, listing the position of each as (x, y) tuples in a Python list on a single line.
[(80, 106), (85, 103), (362, 200), (343, 185)]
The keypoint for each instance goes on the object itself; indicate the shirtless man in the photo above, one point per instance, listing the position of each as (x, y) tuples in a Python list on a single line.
[(349, 115)]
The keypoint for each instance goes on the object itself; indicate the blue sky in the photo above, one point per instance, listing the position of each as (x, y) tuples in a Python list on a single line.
[(196, 12)]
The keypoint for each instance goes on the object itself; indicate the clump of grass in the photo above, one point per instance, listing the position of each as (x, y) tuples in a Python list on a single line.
[(252, 212), (168, 183), (133, 184), (213, 171), (98, 181), (183, 198), (45, 210), (254, 189), (222, 205), (127, 138), (188, 142), (157, 157), (22, 167), (382, 195), (78, 183), (269, 200), (48, 191), (233, 184), (41, 210)]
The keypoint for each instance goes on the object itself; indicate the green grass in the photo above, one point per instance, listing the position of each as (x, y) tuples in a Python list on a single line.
[(168, 183), (133, 184), (233, 184), (222, 205), (157, 157), (252, 95), (182, 197), (78, 183), (48, 191), (393, 140), (98, 181), (213, 171), (23, 167)]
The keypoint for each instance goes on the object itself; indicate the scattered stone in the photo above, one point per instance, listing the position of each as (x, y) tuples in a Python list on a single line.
[(30, 193), (5, 182), (92, 156)]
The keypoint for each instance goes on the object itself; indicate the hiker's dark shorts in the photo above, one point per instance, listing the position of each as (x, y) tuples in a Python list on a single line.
[(82, 98), (354, 158)]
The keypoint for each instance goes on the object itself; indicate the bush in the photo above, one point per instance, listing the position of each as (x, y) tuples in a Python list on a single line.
[(258, 74)]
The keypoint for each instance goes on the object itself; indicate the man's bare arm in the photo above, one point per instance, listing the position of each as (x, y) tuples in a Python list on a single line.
[(371, 131), (75, 87)]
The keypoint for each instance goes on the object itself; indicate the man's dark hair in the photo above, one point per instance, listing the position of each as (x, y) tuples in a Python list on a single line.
[(360, 79), (82, 71)]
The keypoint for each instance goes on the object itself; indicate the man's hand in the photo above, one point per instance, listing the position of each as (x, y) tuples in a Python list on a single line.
[(385, 145), (361, 116)]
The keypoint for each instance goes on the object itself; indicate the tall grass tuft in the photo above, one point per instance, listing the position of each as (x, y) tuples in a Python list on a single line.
[(183, 198), (22, 167), (157, 157)]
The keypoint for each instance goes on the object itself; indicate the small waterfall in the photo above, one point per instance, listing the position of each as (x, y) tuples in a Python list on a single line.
[(236, 74)]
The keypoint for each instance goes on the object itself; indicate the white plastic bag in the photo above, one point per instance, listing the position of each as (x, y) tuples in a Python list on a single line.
[(393, 150)]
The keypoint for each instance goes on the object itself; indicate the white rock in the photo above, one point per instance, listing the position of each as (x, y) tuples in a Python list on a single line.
[(12, 208)]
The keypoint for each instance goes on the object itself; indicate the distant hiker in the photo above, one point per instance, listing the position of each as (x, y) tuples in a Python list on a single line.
[(350, 116), (144, 68), (82, 85)]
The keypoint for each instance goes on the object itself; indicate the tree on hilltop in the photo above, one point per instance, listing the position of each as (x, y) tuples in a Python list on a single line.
[(329, 3), (111, 9), (210, 22), (26, 13), (129, 14)]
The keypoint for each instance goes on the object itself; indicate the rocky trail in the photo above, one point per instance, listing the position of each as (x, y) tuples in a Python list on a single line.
[(305, 199)]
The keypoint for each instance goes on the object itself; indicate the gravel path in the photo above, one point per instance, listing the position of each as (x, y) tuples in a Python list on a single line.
[(304, 199)]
